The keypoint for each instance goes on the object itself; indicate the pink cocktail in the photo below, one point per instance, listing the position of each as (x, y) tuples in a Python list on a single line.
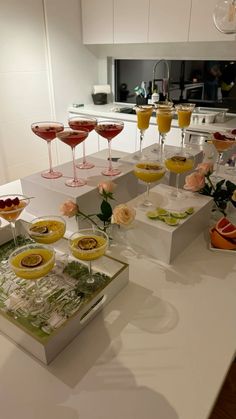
[(83, 123), (109, 130), (73, 138), (47, 131)]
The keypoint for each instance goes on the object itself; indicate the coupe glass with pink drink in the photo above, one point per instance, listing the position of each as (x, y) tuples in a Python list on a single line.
[(47, 131), (109, 130), (83, 122), (73, 138)]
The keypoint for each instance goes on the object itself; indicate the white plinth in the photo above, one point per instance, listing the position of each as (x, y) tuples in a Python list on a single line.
[(159, 240)]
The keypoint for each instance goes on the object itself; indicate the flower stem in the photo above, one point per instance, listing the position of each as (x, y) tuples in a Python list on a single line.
[(216, 202), (90, 219)]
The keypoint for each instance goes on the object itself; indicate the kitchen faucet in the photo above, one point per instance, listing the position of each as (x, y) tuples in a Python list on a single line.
[(165, 80)]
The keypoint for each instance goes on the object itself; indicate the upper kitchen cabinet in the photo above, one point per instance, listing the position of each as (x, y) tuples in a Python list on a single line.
[(202, 27), (97, 21), (131, 21), (169, 21)]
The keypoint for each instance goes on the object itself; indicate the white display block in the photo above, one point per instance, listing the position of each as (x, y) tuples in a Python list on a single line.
[(50, 194), (159, 240)]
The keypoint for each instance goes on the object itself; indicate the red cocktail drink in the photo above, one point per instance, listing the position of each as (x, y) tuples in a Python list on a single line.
[(83, 123)]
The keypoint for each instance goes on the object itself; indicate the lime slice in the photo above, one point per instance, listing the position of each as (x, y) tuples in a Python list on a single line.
[(87, 243), (31, 261), (162, 212), (190, 211), (179, 214), (171, 221), (153, 215)]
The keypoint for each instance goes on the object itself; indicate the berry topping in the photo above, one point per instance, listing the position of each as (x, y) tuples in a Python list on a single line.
[(16, 201), (8, 202), (31, 261), (2, 204)]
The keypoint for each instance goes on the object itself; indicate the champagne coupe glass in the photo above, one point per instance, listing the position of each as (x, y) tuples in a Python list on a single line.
[(144, 114), (47, 131), (47, 229), (164, 117), (88, 245), (82, 123), (33, 262), (73, 138), (178, 163), (149, 172), (11, 206), (184, 111), (222, 142), (109, 129)]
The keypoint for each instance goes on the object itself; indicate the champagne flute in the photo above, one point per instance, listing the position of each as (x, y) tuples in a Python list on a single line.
[(149, 172), (47, 131), (178, 163), (88, 245), (184, 111), (109, 129), (144, 114), (11, 206), (87, 123), (164, 117), (73, 138)]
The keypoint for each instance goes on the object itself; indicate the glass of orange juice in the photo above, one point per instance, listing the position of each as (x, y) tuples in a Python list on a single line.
[(184, 111), (178, 163), (164, 117), (144, 114), (149, 172)]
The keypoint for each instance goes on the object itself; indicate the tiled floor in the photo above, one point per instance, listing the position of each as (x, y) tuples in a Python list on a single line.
[(225, 407)]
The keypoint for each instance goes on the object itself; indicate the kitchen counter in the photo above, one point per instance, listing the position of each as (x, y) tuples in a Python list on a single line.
[(111, 111), (161, 348)]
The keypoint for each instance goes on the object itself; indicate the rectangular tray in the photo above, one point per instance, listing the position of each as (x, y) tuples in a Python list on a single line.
[(72, 303)]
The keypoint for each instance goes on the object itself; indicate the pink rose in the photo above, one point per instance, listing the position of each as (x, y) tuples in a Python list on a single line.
[(108, 187), (194, 182), (69, 209), (205, 168), (123, 215)]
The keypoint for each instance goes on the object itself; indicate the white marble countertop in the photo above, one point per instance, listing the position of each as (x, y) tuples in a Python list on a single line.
[(161, 348), (110, 111)]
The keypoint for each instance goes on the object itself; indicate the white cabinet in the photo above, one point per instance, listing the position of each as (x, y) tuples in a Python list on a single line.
[(169, 20), (131, 21), (126, 140), (202, 27), (97, 21)]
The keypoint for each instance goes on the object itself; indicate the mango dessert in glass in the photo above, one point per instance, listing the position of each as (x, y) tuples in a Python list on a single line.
[(32, 262), (88, 245), (47, 229), (179, 163), (11, 206), (144, 114), (184, 112), (149, 172), (164, 117)]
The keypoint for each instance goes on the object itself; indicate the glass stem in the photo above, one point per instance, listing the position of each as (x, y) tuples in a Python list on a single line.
[(147, 191), (141, 141), (182, 137), (90, 278), (109, 156), (13, 229), (74, 166), (163, 136), (219, 158), (84, 154), (37, 298), (177, 183), (50, 157)]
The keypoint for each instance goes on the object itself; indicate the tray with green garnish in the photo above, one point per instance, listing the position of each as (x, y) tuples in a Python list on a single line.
[(70, 302)]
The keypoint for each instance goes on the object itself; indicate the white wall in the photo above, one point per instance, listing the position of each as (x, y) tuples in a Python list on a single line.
[(43, 69)]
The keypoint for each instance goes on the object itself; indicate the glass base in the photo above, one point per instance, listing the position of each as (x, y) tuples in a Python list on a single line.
[(85, 165), (111, 172), (75, 183), (139, 156), (51, 175), (146, 203)]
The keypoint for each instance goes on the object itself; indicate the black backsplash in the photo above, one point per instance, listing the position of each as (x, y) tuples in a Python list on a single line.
[(206, 83)]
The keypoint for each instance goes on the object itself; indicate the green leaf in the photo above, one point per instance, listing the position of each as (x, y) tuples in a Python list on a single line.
[(106, 210), (220, 184), (231, 187)]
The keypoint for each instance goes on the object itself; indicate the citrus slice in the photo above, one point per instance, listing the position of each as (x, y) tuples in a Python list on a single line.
[(87, 243), (171, 221), (31, 261), (153, 215), (221, 242), (161, 212), (179, 214), (189, 211), (39, 229), (226, 228)]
